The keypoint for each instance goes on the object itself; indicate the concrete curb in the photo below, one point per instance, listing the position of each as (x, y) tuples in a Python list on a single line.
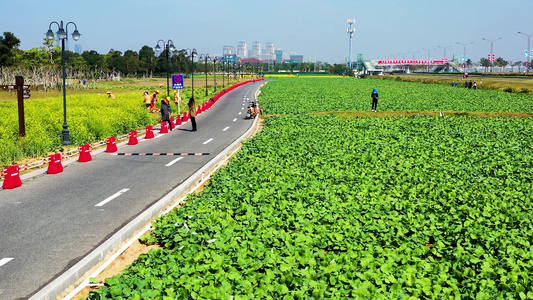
[(72, 275)]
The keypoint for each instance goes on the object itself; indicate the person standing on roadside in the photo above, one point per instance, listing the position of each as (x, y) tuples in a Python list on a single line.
[(374, 100), (192, 113), (153, 102), (165, 112)]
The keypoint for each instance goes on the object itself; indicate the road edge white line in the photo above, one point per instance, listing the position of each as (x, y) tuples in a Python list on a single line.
[(102, 203)]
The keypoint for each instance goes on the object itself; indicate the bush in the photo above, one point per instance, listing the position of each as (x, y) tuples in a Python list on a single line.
[(509, 89), (524, 91)]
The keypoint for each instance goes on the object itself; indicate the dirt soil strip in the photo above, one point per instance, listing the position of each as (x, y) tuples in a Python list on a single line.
[(352, 114)]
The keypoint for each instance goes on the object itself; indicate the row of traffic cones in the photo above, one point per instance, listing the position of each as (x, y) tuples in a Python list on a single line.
[(12, 177)]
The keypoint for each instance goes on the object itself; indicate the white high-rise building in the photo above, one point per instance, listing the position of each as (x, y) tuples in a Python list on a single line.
[(228, 50), (269, 51), (256, 49), (242, 50)]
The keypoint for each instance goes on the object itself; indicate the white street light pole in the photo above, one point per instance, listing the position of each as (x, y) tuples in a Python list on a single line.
[(491, 46), (528, 49)]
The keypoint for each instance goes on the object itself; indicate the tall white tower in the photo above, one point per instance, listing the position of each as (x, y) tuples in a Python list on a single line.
[(350, 32)]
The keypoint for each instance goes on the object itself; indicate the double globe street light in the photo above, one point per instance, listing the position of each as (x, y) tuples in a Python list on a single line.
[(192, 53), (169, 47), (205, 57), (62, 34)]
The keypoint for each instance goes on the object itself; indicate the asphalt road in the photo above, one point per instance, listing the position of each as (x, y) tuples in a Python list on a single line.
[(52, 221)]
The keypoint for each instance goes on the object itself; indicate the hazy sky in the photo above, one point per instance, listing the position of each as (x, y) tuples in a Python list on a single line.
[(385, 29)]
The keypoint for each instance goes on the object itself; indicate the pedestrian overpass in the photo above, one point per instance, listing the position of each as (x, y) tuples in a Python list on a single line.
[(378, 67)]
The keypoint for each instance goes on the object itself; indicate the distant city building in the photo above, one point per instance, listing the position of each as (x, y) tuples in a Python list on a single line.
[(256, 49), (296, 59), (230, 58), (279, 56), (242, 50), (77, 49), (229, 50), (269, 51)]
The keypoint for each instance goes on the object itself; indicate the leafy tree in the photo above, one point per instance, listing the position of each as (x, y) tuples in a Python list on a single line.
[(94, 60), (500, 62), (338, 69), (35, 57), (131, 61), (147, 60), (485, 63), (115, 61), (8, 43), (51, 48), (469, 63), (179, 62)]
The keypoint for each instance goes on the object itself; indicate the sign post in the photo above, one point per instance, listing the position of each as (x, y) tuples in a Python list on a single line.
[(23, 92), (177, 84)]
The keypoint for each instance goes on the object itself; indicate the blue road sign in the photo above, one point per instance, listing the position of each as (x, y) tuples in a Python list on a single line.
[(177, 82)]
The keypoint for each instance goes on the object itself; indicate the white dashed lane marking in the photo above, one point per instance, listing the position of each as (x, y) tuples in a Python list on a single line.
[(225, 128), (234, 119), (207, 142), (173, 162), (4, 261), (112, 197)]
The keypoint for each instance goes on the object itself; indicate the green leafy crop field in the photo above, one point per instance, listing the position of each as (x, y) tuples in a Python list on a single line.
[(323, 207), (299, 95)]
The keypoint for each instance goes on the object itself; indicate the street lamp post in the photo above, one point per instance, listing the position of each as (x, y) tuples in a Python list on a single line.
[(491, 48), (215, 72), (205, 57), (464, 52), (444, 50), (528, 54), (223, 73), (192, 53), (427, 63), (169, 46), (62, 34)]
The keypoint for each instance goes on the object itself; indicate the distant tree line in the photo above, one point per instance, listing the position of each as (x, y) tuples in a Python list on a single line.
[(42, 66)]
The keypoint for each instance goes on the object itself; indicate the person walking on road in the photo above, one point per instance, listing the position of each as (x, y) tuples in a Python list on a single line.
[(192, 113), (374, 100), (165, 112)]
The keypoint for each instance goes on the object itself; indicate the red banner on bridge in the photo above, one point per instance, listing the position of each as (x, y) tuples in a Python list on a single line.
[(413, 62)]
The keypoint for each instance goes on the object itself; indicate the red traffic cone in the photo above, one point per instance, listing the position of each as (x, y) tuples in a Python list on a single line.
[(11, 178), (54, 164), (185, 117), (199, 110), (164, 127), (172, 123), (111, 144), (85, 153), (133, 138), (149, 132), (178, 120)]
